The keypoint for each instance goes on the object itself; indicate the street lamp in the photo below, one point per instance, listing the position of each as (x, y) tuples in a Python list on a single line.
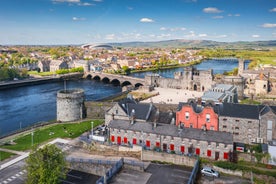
[(32, 134), (92, 124)]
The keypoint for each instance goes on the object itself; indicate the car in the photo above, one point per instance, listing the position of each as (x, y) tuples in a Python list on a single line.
[(208, 171)]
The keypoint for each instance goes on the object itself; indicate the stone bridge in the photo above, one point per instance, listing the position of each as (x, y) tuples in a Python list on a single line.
[(118, 80)]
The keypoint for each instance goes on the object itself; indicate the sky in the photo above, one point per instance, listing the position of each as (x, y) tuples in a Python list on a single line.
[(51, 22)]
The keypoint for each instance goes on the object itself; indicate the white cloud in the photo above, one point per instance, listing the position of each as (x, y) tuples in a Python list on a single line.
[(202, 35), (163, 36), (221, 36), (78, 18), (273, 10), (217, 17), (85, 4), (163, 28), (98, 0), (255, 36), (146, 20), (237, 15), (66, 1), (110, 37), (269, 25), (211, 10), (173, 29)]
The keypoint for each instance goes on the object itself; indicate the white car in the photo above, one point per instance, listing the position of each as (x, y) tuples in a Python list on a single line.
[(208, 171)]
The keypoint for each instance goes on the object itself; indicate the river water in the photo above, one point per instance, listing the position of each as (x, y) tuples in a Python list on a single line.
[(24, 106)]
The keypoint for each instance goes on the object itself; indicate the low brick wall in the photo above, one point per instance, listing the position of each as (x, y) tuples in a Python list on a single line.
[(166, 157)]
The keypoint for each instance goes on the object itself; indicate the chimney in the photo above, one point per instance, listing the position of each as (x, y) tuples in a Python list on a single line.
[(199, 101)]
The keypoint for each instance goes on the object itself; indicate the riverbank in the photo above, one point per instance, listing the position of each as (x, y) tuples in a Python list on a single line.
[(35, 80)]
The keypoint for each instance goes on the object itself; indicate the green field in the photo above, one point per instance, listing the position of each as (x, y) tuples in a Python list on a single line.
[(5, 155), (42, 135)]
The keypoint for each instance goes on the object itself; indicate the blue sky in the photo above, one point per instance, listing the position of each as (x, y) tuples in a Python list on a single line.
[(105, 21)]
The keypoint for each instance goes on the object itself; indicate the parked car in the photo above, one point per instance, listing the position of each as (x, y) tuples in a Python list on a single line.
[(208, 171)]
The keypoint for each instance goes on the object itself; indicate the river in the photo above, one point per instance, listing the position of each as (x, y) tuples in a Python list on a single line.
[(24, 106)]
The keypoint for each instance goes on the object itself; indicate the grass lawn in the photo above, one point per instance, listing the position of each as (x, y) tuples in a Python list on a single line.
[(42, 135), (5, 155), (41, 73)]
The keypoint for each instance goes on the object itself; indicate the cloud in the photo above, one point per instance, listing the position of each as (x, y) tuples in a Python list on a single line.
[(85, 4), (130, 8), (98, 0), (146, 20), (110, 37), (202, 35), (235, 15), (66, 1), (78, 18), (273, 10), (217, 17), (173, 29), (269, 25), (211, 10), (255, 36)]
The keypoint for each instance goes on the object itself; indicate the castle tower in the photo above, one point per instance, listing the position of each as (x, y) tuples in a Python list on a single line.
[(241, 66), (70, 105)]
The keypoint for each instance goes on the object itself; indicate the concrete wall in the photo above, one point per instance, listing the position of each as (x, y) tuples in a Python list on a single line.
[(165, 157)]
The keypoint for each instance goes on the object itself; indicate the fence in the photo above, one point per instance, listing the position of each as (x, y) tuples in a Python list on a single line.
[(194, 173), (111, 172)]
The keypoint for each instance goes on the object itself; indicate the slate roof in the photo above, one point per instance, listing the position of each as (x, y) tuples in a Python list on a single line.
[(142, 110), (212, 95), (239, 110), (226, 87), (172, 130)]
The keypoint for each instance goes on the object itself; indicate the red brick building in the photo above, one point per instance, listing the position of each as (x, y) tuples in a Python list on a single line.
[(191, 115)]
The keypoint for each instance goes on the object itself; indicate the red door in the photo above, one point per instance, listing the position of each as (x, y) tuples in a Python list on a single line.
[(134, 141), (209, 153), (157, 144), (197, 151), (148, 143), (125, 140), (112, 138), (171, 147), (119, 140), (182, 149), (225, 155)]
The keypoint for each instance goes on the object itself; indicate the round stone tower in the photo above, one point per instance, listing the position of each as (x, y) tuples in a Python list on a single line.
[(70, 105)]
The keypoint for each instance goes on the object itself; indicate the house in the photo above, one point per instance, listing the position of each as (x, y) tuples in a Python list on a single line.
[(194, 115), (57, 65), (169, 138), (44, 65), (85, 64)]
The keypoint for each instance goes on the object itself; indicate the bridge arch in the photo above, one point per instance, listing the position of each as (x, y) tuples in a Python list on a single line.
[(97, 78), (89, 77), (126, 83), (137, 85), (115, 82), (106, 80)]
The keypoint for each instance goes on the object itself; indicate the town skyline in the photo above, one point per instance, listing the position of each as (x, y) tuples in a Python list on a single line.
[(51, 22)]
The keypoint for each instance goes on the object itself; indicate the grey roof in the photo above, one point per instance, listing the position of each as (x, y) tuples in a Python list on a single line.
[(172, 130), (142, 111), (239, 110), (212, 95), (226, 87)]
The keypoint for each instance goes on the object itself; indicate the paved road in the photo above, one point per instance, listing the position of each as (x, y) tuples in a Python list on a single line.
[(14, 174)]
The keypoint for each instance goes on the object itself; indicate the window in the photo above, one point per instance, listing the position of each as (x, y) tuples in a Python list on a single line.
[(237, 128), (224, 126), (236, 133), (187, 115), (191, 125), (212, 128), (237, 120), (224, 119), (249, 121), (207, 117)]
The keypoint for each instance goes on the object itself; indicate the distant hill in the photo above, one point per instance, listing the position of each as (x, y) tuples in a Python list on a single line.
[(200, 44)]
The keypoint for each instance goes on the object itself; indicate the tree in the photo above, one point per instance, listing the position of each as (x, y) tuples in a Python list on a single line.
[(46, 165)]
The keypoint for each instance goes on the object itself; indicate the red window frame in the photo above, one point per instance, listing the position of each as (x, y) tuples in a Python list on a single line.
[(112, 138), (182, 149), (147, 143), (134, 141), (125, 140), (197, 151), (209, 153)]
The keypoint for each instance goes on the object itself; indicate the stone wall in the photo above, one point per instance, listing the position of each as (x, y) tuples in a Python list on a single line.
[(171, 158)]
